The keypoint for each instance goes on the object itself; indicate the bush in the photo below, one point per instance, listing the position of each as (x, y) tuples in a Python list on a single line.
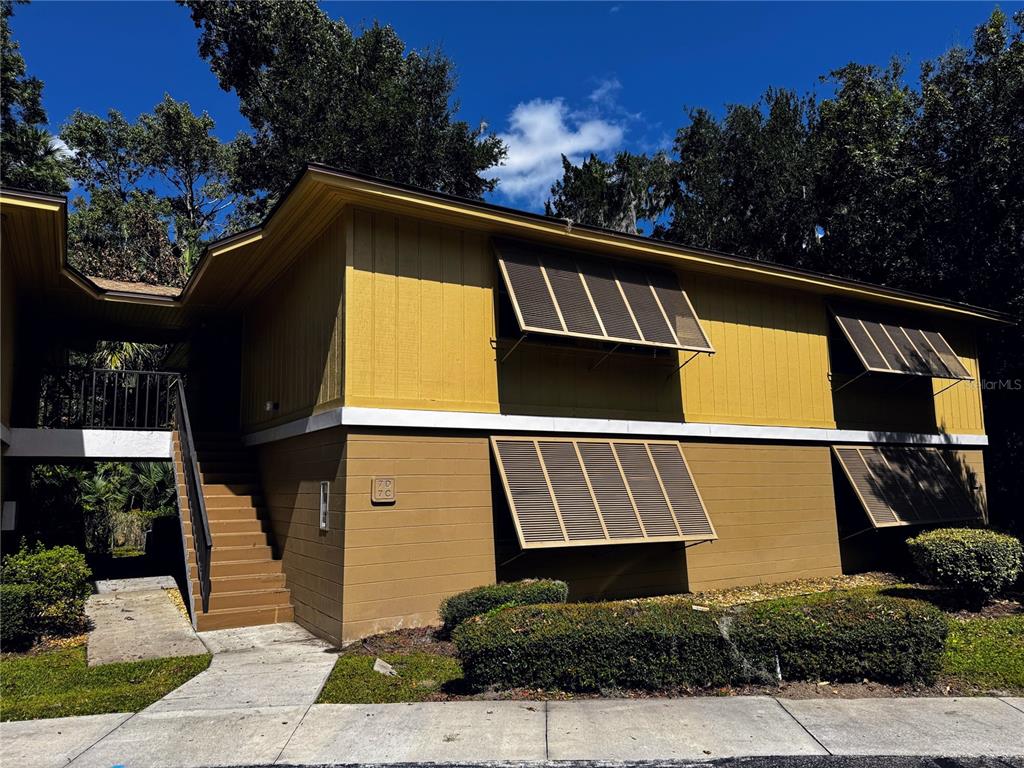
[(974, 562), (18, 623), (474, 602), (593, 646), (61, 580), (841, 636)]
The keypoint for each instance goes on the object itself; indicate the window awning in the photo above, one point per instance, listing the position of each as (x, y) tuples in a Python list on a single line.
[(567, 294), (570, 492), (907, 486), (891, 348)]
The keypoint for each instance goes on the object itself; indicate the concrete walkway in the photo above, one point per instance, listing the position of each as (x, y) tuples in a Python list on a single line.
[(134, 619), (474, 732)]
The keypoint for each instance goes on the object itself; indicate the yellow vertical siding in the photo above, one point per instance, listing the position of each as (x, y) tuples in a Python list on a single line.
[(771, 362), (420, 332), (420, 316), (958, 408), (292, 336)]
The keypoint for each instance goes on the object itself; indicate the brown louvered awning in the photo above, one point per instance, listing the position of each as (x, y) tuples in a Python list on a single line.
[(898, 348), (573, 294), (566, 492), (907, 486)]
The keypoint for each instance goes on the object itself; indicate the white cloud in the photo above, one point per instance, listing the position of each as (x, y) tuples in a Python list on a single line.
[(540, 132), (605, 91)]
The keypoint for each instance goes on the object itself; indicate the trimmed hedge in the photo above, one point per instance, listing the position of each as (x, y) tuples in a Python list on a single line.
[(456, 608), (594, 646), (18, 623), (62, 583), (841, 636), (975, 562)]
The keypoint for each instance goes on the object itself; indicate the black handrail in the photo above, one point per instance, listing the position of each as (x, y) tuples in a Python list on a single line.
[(202, 542), (105, 398)]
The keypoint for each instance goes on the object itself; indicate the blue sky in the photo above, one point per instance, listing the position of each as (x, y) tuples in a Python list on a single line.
[(551, 77)]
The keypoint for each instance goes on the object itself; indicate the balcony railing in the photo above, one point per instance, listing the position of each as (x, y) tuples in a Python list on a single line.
[(98, 398)]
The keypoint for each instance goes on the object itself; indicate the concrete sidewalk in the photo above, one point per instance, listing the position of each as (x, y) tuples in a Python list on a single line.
[(473, 732), (134, 619)]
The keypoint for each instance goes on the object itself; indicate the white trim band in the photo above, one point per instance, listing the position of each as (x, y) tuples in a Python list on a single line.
[(89, 444), (392, 418)]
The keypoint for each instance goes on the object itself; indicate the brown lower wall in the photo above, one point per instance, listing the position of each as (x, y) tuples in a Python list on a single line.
[(386, 566), (291, 471), (436, 539), (773, 508)]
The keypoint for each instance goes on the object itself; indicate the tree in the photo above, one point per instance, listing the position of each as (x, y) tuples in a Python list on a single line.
[(29, 157), (746, 184), (154, 191), (315, 92), (615, 195), (918, 188), (179, 147)]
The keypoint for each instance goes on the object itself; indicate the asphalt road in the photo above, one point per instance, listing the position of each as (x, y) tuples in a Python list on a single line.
[(832, 761)]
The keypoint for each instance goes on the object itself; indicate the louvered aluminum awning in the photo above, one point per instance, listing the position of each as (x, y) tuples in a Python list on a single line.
[(566, 492), (569, 294), (891, 348), (907, 486)]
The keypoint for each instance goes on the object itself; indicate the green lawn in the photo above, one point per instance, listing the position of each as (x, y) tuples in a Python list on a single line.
[(987, 654), (353, 680), (58, 683)]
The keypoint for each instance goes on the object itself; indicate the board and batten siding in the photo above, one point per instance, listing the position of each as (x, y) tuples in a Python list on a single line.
[(771, 363), (958, 408), (436, 539), (420, 334), (420, 316), (292, 337), (773, 508), (291, 472)]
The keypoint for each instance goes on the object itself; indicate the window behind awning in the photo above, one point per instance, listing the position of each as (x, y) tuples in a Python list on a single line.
[(907, 486), (569, 294), (566, 492), (885, 347)]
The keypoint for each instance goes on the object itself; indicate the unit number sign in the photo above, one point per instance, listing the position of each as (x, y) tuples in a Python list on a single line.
[(383, 490)]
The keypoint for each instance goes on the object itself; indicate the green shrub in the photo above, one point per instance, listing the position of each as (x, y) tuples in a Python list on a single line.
[(61, 580), (479, 600), (593, 646), (841, 636), (972, 561), (17, 616)]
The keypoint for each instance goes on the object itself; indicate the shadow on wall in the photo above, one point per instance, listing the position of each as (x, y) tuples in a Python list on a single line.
[(599, 572), (559, 376), (943, 475)]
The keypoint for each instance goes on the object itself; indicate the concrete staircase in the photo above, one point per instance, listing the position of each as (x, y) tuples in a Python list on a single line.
[(247, 583)]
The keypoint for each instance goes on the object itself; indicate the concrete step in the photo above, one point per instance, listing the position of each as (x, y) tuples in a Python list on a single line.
[(231, 513), (231, 489), (256, 598), (211, 466), (221, 540), (254, 567), (245, 583), (244, 617), (245, 525), (225, 554), (230, 501), (246, 477)]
